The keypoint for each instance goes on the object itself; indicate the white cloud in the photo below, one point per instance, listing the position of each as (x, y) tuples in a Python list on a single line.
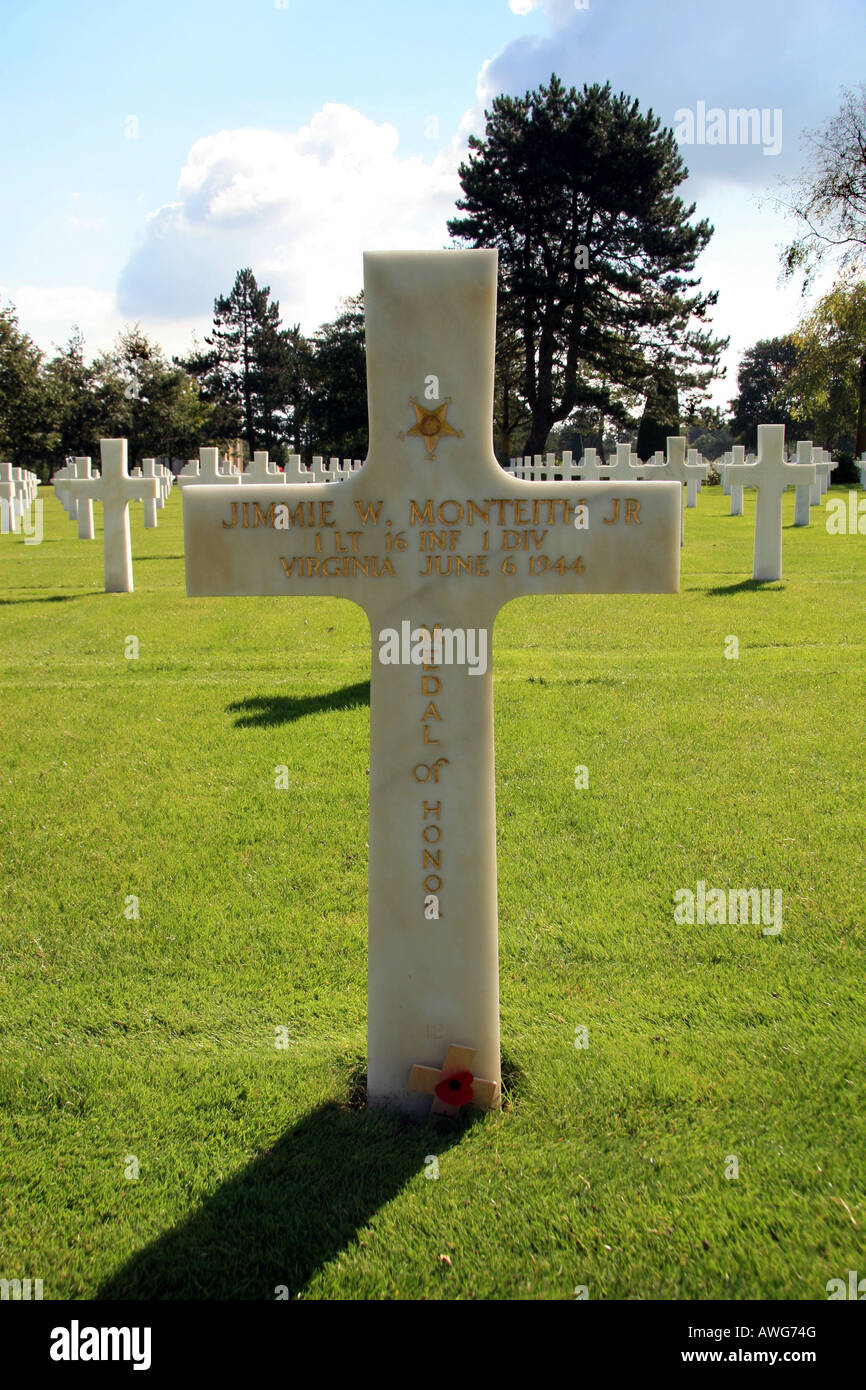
[(80, 222), (737, 55), (558, 11), (660, 55), (84, 224), (48, 313), (299, 207)]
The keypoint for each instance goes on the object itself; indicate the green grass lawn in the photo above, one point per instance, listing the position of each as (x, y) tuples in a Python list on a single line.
[(154, 1038)]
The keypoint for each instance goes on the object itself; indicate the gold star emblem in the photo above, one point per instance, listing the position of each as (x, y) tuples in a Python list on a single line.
[(430, 425)]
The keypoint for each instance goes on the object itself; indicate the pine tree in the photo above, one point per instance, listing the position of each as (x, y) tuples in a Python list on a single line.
[(577, 191), (246, 370), (661, 414), (338, 409)]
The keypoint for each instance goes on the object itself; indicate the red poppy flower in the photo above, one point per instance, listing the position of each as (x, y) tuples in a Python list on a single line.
[(455, 1088)]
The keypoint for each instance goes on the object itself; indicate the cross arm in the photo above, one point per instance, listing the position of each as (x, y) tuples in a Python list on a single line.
[(143, 490), (799, 475), (744, 474), (493, 544), (278, 538), (84, 487), (627, 540)]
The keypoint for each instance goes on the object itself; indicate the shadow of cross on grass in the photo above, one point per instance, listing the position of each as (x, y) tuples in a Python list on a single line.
[(743, 586), (288, 1213), (260, 710)]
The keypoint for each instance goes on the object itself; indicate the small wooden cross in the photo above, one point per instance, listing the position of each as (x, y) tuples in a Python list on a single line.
[(455, 1078)]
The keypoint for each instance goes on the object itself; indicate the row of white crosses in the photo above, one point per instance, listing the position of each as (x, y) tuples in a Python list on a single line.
[(77, 509), (334, 470), (207, 469), (627, 468), (18, 488), (151, 469), (78, 503), (769, 474), (17, 491), (540, 468), (807, 494), (678, 465)]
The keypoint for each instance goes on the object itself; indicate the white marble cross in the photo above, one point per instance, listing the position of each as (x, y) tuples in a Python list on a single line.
[(10, 511), (295, 471), (817, 489), (24, 490), (86, 531), (189, 471), (148, 470), (431, 535), (622, 469), (697, 473), (803, 491), (261, 470), (211, 473), (571, 471), (592, 470), (115, 489), (770, 474), (71, 502), (823, 469), (679, 472), (165, 479), (58, 482), (738, 460), (723, 466)]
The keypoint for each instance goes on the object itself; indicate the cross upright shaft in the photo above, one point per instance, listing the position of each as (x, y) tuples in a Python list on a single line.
[(431, 532)]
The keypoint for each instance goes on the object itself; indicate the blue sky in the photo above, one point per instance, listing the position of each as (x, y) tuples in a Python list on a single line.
[(151, 150)]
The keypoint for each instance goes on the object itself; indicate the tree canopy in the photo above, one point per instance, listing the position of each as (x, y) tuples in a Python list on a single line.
[(763, 386), (828, 199), (577, 191), (827, 383)]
